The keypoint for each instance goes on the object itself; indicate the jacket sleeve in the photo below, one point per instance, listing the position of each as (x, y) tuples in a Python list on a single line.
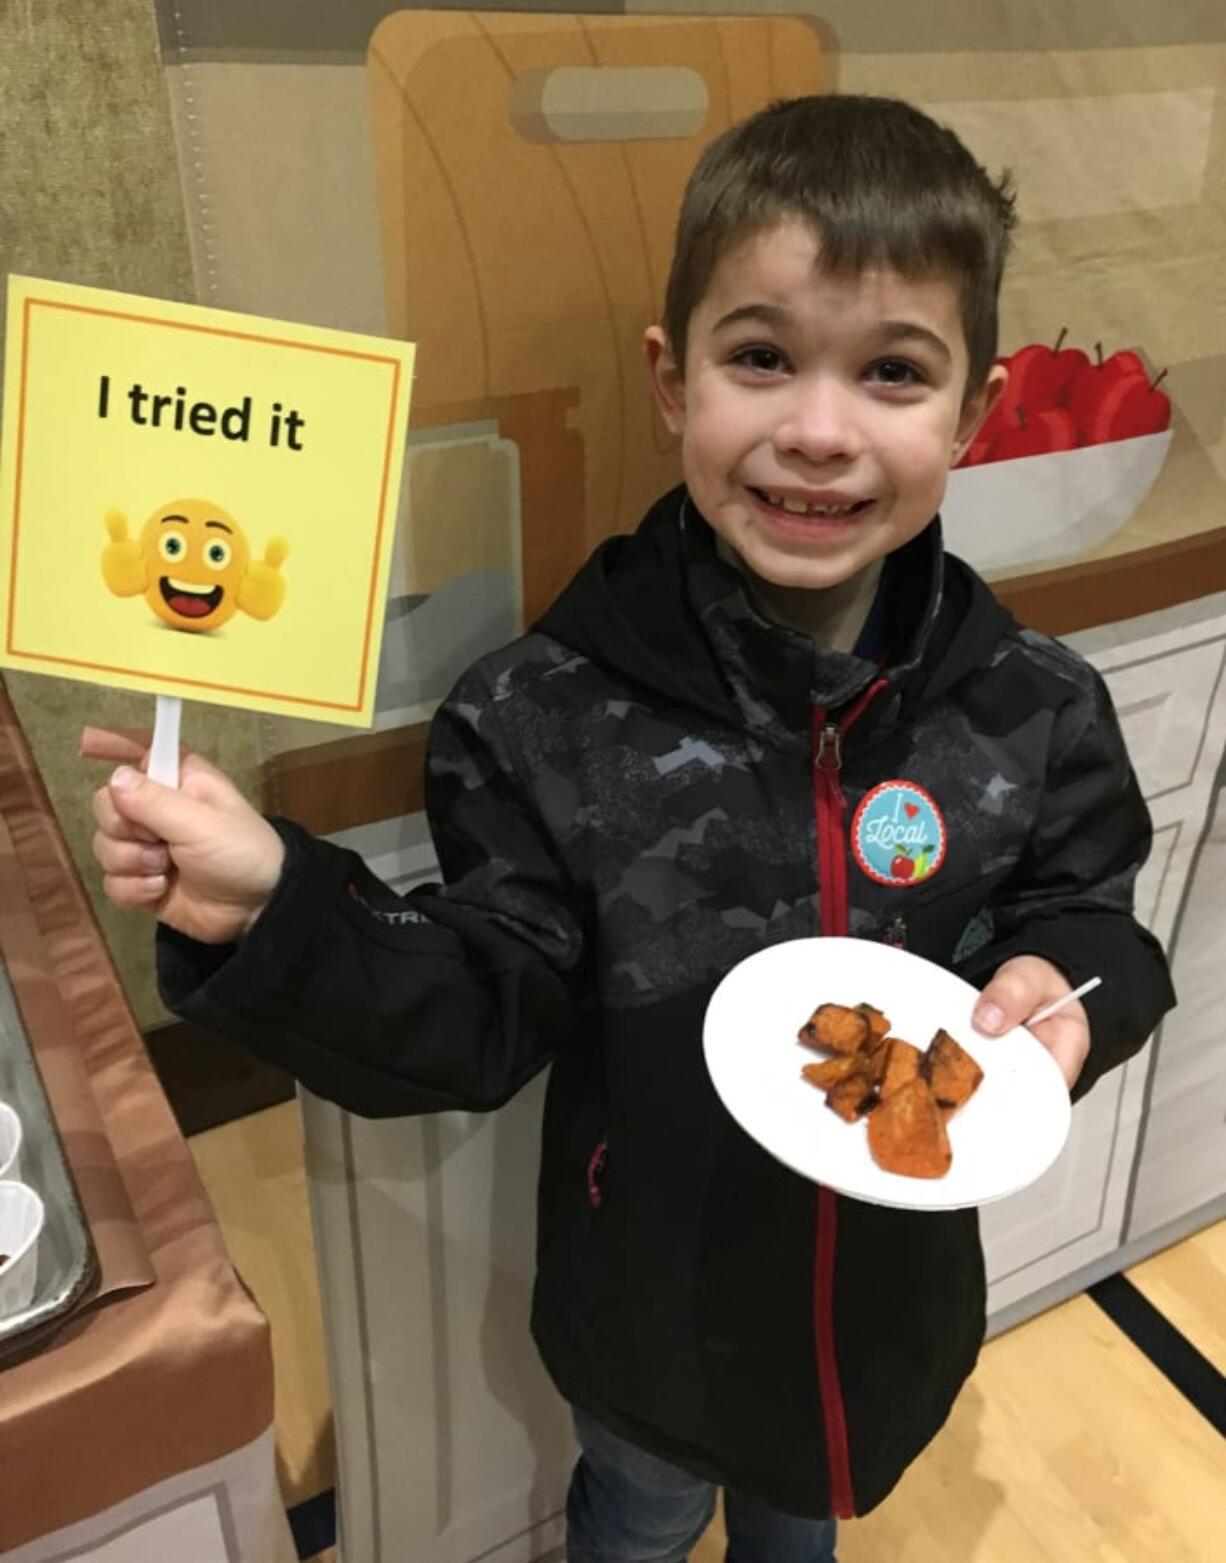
[(450, 997), (1070, 899)]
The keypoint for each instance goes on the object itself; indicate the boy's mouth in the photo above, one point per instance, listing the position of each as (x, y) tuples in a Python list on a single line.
[(819, 511)]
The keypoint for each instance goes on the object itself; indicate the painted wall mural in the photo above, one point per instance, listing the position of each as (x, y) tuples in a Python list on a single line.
[(484, 235)]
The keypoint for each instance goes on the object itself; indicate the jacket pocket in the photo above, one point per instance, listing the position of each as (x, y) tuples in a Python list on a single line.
[(938, 925)]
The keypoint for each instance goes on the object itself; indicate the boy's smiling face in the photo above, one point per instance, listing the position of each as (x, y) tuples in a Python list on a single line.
[(819, 416)]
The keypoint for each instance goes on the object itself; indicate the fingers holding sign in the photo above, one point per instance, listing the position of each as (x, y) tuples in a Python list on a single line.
[(198, 856)]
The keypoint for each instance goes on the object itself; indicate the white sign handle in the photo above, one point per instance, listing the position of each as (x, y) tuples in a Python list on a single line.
[(164, 751)]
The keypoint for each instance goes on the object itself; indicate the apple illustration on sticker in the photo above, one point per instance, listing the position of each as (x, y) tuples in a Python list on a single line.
[(913, 866)]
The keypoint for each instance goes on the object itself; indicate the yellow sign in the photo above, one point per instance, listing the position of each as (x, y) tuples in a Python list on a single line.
[(198, 503)]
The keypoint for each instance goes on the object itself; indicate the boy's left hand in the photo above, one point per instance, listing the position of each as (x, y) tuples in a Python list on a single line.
[(1023, 986)]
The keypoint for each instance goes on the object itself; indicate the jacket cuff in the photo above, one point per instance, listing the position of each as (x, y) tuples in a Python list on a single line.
[(203, 982)]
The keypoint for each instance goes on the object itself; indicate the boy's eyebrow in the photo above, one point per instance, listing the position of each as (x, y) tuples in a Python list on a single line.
[(891, 331), (888, 332), (768, 314)]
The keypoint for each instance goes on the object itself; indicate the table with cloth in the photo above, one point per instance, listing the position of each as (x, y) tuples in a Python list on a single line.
[(138, 1426)]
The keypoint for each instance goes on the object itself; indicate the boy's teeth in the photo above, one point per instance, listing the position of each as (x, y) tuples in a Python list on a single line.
[(797, 507)]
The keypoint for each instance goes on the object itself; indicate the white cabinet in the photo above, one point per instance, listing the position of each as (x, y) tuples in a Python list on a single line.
[(1171, 692), (452, 1445), (1182, 1160), (1147, 1145), (1074, 1214)]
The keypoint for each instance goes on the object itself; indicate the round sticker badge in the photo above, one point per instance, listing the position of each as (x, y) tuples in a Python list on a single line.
[(898, 834)]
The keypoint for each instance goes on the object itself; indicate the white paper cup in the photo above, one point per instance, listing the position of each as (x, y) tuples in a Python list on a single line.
[(21, 1225), (10, 1144)]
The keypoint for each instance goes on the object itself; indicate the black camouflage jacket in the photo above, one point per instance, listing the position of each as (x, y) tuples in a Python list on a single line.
[(648, 787)]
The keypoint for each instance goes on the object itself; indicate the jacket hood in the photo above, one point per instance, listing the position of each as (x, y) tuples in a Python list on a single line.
[(662, 609)]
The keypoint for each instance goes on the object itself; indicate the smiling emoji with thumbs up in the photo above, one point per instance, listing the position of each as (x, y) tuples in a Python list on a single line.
[(192, 563)]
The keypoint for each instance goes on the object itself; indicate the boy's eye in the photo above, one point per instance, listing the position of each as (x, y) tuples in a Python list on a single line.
[(896, 371), (763, 359)]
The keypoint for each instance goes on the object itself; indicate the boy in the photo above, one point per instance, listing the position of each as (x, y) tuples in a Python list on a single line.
[(678, 766)]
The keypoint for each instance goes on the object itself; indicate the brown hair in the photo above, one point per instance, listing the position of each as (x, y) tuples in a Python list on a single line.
[(880, 183)]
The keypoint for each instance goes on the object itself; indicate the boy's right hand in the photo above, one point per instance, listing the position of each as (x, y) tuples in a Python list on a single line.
[(198, 856)]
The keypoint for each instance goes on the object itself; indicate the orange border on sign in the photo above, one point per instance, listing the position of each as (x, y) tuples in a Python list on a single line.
[(242, 336)]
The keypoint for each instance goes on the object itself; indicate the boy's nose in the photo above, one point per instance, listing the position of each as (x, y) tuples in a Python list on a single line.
[(819, 422)]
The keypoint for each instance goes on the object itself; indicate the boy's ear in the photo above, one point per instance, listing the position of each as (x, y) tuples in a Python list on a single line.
[(667, 380), (975, 409)]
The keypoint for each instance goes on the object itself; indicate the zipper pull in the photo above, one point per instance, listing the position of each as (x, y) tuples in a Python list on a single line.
[(896, 933), (830, 748)]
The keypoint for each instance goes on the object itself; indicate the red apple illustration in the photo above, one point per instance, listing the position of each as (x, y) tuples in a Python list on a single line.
[(1092, 383), (1035, 434), (993, 425), (1050, 379), (902, 867), (1129, 408), (1021, 365), (1039, 375)]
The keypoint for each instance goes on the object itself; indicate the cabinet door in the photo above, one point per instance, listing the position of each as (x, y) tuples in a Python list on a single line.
[(1074, 1214), (1182, 1161), (1164, 697), (452, 1445), (1167, 695), (1172, 702)]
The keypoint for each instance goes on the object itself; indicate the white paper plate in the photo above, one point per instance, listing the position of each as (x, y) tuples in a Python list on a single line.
[(1006, 1136)]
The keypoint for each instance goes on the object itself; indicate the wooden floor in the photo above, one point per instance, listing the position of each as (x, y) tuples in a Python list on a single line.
[(1067, 1445)]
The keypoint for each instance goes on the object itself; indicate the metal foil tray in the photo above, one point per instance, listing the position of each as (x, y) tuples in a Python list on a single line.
[(66, 1259)]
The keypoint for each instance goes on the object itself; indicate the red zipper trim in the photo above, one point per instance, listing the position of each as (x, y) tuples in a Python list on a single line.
[(830, 812)]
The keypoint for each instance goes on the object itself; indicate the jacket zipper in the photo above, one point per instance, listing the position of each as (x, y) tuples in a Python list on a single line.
[(830, 812)]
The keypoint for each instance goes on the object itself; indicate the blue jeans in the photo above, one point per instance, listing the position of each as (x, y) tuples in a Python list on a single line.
[(625, 1506)]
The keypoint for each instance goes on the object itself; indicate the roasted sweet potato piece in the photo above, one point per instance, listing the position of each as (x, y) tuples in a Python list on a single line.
[(874, 1062), (832, 1070), (878, 1025), (906, 1134), (836, 1028), (951, 1071), (852, 1096), (902, 1064)]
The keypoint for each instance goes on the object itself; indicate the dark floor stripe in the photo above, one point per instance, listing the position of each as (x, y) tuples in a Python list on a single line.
[(313, 1523), (1193, 1375)]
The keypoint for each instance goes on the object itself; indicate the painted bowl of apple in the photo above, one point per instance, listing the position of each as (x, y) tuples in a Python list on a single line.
[(1069, 452)]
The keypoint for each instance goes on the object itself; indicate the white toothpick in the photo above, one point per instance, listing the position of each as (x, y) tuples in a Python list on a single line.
[(1050, 1009), (164, 750)]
